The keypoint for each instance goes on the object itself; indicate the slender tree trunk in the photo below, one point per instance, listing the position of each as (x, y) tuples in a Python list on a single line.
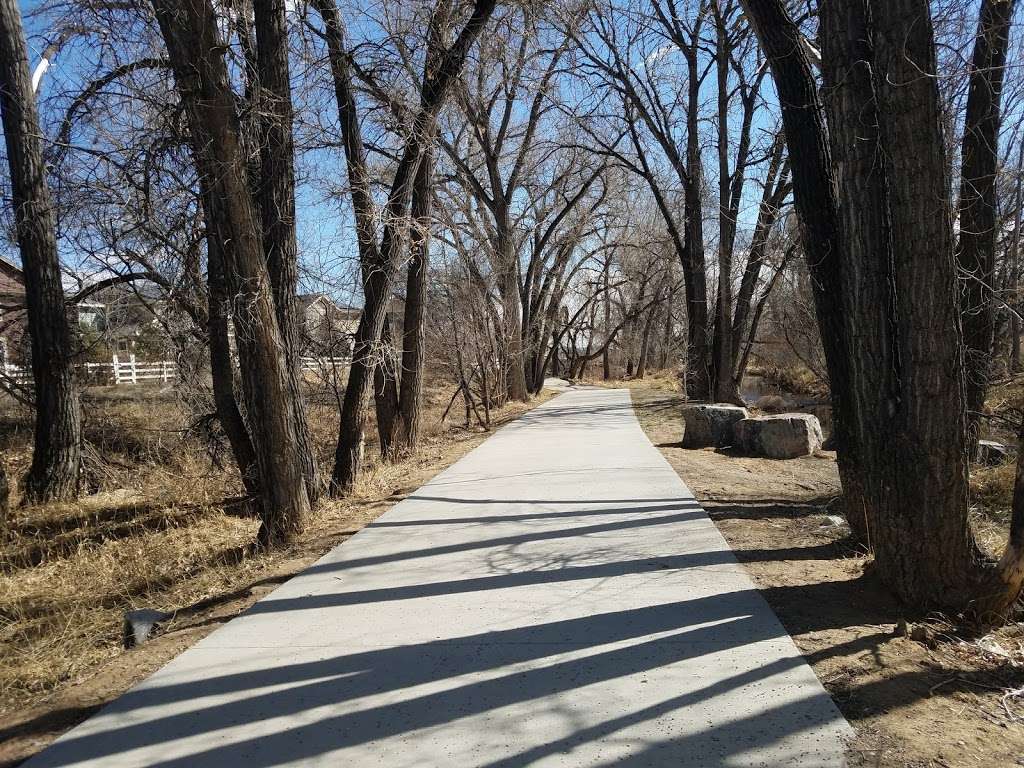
[(56, 456), (977, 247), (189, 28), (775, 188), (380, 264), (386, 375), (221, 365), (413, 358), (512, 313), (645, 343)]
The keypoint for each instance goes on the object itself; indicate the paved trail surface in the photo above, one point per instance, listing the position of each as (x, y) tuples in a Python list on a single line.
[(556, 598)]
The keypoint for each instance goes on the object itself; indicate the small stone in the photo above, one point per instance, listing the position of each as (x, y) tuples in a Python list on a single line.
[(785, 436), (710, 425), (140, 624), (834, 521)]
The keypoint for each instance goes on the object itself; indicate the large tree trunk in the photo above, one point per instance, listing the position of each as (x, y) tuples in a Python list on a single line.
[(606, 352), (814, 191), (915, 466), (724, 384), (189, 28), (56, 457), (904, 370), (276, 196), (977, 246), (698, 349)]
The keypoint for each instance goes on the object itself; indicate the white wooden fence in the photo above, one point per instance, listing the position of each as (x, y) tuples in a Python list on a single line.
[(322, 364), (131, 371)]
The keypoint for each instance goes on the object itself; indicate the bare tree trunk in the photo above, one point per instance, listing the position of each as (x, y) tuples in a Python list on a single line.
[(512, 314), (276, 196), (724, 384), (385, 392), (814, 191), (56, 457), (1015, 303), (776, 187), (606, 363), (189, 28), (380, 264), (221, 365), (977, 246), (698, 348), (413, 358), (909, 404), (645, 343)]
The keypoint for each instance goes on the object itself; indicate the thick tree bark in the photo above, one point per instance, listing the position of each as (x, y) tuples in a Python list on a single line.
[(56, 457), (699, 364), (724, 384), (814, 192), (917, 476), (606, 362), (189, 28), (979, 158), (276, 197), (903, 371)]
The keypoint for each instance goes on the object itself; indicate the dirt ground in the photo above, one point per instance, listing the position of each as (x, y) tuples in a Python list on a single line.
[(69, 573), (948, 700)]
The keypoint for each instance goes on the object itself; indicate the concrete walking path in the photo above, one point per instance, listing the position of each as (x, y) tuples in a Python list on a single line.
[(555, 598)]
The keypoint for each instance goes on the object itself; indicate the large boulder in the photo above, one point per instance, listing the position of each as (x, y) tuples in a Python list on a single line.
[(784, 436), (710, 425), (991, 453)]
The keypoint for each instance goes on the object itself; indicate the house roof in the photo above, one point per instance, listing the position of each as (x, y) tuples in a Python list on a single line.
[(306, 300)]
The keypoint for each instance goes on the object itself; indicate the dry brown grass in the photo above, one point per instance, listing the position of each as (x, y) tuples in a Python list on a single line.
[(157, 536), (654, 381)]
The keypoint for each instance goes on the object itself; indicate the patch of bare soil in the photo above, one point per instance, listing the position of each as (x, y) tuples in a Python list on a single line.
[(61, 606), (942, 700)]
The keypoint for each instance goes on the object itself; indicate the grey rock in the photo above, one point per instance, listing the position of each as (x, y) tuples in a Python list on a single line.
[(991, 453), (140, 624), (834, 521), (710, 425), (785, 436)]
